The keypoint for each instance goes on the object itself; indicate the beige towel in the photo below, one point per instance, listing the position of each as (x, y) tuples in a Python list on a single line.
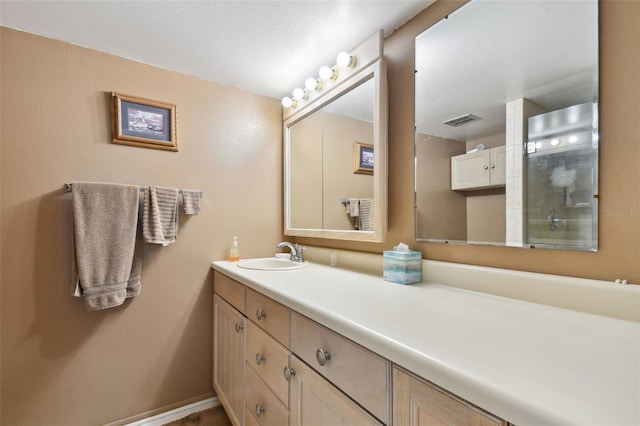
[(160, 216), (106, 267), (191, 201), (366, 214), (353, 207)]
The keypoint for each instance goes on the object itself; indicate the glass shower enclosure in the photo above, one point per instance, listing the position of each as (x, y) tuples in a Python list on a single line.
[(561, 193)]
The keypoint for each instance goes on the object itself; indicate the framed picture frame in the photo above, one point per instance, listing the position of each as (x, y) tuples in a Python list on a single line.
[(144, 123), (362, 158)]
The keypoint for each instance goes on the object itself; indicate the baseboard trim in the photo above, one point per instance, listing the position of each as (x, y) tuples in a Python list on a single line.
[(169, 413)]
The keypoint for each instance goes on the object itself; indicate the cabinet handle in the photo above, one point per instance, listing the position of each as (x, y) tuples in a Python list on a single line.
[(493, 166), (260, 314), (289, 373), (260, 358), (486, 167), (322, 357), (239, 327), (259, 410)]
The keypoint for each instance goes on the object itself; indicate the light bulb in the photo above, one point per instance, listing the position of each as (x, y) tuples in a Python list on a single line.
[(555, 142), (287, 102), (300, 94), (345, 60), (573, 139), (312, 84), (327, 73)]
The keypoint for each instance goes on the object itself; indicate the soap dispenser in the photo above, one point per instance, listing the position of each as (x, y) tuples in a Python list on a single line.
[(234, 251)]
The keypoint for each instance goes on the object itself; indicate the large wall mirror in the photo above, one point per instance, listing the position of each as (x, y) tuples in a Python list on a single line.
[(335, 156), (506, 143)]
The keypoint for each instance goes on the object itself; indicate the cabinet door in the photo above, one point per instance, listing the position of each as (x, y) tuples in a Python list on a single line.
[(228, 358), (469, 171), (498, 165), (418, 403), (314, 401)]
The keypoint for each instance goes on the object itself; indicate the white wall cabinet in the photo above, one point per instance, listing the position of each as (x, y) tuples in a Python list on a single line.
[(479, 170)]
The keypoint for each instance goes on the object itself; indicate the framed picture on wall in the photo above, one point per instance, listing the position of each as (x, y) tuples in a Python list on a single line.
[(144, 123), (362, 158)]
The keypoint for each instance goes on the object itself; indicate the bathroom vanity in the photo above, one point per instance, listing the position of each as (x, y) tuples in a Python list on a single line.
[(291, 346)]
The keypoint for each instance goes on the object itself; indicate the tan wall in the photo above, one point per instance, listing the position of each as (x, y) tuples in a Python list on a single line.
[(486, 210), (441, 212), (619, 153), (340, 133), (322, 170), (63, 365)]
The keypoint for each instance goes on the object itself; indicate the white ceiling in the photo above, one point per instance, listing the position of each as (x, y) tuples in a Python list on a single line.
[(489, 52), (264, 47)]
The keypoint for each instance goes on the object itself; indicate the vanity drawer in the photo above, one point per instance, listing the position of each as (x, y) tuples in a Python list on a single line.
[(358, 372), (230, 290), (263, 407), (270, 315), (268, 358)]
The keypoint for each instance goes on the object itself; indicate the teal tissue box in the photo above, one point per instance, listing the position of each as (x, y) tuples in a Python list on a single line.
[(402, 267)]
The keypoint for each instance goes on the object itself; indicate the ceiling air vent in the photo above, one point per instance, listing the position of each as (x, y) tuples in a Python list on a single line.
[(458, 121)]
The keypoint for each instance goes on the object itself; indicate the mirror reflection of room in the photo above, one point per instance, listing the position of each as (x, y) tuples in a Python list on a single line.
[(323, 183), (477, 90)]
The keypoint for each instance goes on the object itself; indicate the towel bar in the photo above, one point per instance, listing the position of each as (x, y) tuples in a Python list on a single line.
[(69, 188)]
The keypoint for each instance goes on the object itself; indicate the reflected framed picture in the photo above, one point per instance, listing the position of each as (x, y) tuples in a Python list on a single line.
[(362, 158), (144, 123)]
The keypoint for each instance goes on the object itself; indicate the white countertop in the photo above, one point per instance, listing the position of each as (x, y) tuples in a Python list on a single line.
[(528, 363)]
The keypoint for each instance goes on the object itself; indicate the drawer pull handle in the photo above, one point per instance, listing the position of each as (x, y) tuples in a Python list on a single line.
[(259, 410), (289, 373), (322, 357), (260, 358), (260, 314), (239, 327)]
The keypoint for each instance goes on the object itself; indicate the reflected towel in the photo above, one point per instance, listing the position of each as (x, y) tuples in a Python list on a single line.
[(106, 265), (191, 201), (160, 216), (366, 214), (353, 207)]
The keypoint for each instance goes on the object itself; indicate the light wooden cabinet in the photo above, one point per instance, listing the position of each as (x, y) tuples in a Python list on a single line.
[(273, 366), (358, 372), (479, 170), (314, 401), (419, 403), (229, 327)]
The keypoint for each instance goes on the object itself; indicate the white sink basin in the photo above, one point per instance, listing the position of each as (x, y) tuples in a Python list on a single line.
[(271, 264)]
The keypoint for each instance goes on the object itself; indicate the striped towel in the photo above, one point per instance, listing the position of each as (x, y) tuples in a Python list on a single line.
[(160, 215), (366, 214), (191, 201)]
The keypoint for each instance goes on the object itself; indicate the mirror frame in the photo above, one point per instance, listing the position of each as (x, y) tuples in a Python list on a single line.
[(370, 65)]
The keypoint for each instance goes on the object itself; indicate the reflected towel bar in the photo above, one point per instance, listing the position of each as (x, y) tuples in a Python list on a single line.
[(69, 188)]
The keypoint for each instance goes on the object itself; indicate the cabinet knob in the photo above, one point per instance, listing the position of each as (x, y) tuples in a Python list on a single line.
[(259, 410), (322, 357), (493, 166), (260, 358), (239, 327), (486, 167), (260, 314), (289, 373)]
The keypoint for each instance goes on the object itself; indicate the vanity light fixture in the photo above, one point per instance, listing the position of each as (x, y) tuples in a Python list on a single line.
[(313, 84), (287, 102), (300, 94), (327, 73), (345, 60)]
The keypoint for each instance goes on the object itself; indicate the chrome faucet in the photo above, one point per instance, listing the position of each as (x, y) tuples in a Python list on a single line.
[(296, 251)]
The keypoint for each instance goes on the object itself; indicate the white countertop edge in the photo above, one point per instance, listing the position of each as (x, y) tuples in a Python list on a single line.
[(494, 399)]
